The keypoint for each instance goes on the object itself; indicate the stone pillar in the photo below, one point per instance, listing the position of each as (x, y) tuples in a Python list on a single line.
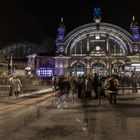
[(61, 71), (88, 71), (66, 72), (67, 66), (88, 58), (87, 43)]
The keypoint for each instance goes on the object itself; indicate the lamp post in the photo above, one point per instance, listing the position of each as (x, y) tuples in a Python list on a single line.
[(11, 64)]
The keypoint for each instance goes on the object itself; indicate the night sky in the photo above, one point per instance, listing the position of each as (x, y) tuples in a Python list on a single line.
[(37, 20)]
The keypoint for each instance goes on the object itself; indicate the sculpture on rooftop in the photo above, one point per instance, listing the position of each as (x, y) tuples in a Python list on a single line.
[(97, 13)]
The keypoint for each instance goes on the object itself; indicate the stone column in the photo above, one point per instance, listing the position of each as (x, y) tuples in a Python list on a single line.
[(88, 59), (87, 43)]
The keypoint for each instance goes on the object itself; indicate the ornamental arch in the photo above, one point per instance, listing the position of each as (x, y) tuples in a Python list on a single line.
[(88, 37), (97, 45), (98, 41)]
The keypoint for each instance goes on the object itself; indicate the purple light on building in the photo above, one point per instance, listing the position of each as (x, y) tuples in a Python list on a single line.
[(135, 33), (44, 72)]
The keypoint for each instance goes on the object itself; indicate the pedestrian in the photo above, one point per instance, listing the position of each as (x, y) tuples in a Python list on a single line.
[(96, 85), (73, 88), (11, 84), (134, 82), (54, 82), (17, 86), (113, 89), (88, 87)]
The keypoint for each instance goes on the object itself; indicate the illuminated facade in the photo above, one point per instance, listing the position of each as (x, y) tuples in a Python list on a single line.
[(97, 47)]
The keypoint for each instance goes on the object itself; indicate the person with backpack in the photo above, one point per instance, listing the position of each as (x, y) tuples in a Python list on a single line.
[(113, 89)]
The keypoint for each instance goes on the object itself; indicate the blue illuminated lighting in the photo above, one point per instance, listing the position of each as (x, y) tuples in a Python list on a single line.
[(60, 37), (136, 36), (135, 30), (44, 72), (97, 12), (135, 33), (61, 32)]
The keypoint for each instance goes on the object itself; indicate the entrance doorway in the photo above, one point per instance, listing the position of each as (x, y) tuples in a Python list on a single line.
[(99, 68), (78, 69)]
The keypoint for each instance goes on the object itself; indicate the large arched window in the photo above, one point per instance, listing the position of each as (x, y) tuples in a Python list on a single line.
[(98, 39), (97, 43)]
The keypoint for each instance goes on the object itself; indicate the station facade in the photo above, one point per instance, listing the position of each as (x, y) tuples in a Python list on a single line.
[(97, 47)]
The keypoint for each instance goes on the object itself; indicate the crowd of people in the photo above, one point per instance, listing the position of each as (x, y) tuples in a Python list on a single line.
[(83, 87), (89, 87), (92, 86)]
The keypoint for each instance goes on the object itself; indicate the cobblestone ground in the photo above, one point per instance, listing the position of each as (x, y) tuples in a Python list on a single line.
[(85, 120)]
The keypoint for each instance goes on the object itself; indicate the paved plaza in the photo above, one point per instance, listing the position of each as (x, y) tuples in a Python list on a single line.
[(84, 120)]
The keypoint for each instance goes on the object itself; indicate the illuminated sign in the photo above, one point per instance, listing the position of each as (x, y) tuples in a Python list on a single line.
[(45, 72)]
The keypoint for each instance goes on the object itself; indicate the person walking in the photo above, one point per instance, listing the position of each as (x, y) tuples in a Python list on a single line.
[(73, 88), (88, 87), (11, 84), (96, 85), (113, 89), (134, 83), (17, 86)]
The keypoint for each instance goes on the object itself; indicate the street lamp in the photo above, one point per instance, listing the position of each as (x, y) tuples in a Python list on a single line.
[(11, 64), (9, 57)]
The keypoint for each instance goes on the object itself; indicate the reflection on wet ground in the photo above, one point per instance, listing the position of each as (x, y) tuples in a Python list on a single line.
[(85, 120)]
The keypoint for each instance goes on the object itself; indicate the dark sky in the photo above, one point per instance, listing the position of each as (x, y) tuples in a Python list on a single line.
[(36, 20)]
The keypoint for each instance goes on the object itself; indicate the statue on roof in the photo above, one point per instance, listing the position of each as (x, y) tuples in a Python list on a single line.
[(97, 12)]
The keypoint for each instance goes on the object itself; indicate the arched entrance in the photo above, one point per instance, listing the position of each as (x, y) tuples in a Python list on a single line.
[(118, 67), (98, 67), (77, 69)]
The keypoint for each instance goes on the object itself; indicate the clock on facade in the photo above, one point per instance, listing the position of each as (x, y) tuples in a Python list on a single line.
[(98, 48)]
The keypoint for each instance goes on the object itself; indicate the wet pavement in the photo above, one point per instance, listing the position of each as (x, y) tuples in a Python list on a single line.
[(5, 100), (84, 120)]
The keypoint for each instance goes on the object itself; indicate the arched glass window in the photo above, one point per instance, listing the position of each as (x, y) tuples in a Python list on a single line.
[(98, 43)]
